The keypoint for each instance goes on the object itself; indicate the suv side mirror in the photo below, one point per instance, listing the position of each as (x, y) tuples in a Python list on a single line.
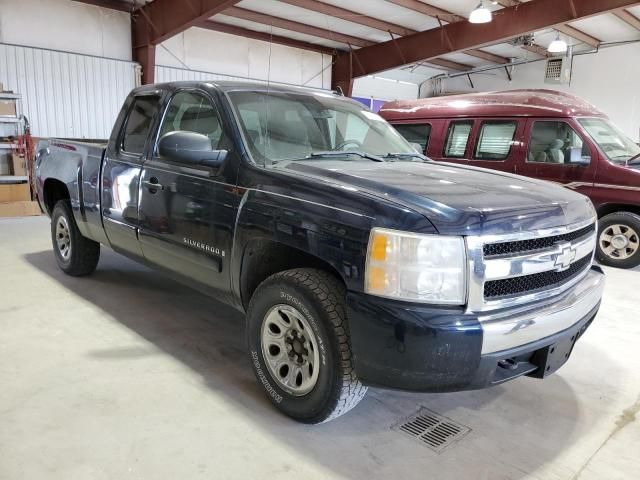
[(576, 158), (190, 148)]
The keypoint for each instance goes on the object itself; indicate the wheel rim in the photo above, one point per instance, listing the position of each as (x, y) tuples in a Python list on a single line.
[(63, 238), (619, 242), (290, 349)]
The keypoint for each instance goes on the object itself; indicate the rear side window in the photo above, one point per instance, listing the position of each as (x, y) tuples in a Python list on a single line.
[(138, 123), (495, 140), (416, 133), (457, 136)]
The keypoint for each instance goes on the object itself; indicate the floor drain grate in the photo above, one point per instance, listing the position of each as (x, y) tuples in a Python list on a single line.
[(431, 429)]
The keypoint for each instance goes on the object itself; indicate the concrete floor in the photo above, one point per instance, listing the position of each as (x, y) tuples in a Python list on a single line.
[(126, 374)]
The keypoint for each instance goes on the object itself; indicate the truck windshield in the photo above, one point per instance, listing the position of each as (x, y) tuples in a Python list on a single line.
[(615, 144), (281, 126)]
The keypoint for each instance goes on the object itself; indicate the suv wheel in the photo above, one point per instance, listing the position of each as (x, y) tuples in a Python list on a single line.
[(76, 255), (619, 240), (300, 347)]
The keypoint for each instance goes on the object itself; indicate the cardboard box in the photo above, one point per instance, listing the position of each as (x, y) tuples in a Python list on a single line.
[(19, 209), (19, 168), (8, 107), (15, 192)]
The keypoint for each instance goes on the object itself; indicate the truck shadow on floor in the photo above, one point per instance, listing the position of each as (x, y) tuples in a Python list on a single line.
[(208, 337)]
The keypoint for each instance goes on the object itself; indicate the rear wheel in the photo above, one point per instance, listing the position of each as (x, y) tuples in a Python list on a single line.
[(619, 240), (76, 255), (300, 346)]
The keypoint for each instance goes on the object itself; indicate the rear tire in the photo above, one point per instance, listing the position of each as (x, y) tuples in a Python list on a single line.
[(300, 346), (76, 255), (619, 240)]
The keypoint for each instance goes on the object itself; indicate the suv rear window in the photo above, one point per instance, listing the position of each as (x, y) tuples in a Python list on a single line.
[(495, 140), (457, 136), (415, 133)]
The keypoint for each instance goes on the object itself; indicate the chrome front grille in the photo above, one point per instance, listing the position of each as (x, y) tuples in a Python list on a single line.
[(524, 267)]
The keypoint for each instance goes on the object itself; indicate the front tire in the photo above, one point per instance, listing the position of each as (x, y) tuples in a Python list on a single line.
[(300, 346), (76, 255), (619, 240)]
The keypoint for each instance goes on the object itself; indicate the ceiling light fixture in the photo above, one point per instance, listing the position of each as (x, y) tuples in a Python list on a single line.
[(481, 14), (558, 45)]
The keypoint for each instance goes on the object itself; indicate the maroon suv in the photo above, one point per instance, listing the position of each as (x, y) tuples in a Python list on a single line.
[(544, 134)]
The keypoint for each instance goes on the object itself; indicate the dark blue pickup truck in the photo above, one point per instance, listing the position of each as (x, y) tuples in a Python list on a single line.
[(358, 261)]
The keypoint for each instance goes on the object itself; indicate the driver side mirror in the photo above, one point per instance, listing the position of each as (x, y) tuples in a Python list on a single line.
[(191, 149), (576, 158)]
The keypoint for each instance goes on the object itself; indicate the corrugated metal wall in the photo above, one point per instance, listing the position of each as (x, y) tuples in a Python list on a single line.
[(66, 94)]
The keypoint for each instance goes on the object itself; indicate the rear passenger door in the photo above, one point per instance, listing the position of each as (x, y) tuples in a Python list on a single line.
[(121, 172), (556, 152), (496, 144)]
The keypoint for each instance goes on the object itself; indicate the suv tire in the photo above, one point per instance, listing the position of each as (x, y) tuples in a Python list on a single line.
[(619, 240), (299, 345)]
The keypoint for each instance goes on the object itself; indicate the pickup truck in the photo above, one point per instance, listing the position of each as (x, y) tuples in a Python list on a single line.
[(358, 261)]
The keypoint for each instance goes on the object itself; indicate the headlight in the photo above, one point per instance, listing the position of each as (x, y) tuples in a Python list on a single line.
[(415, 267)]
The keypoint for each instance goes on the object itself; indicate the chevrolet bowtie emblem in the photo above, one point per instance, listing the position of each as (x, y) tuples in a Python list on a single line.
[(565, 257)]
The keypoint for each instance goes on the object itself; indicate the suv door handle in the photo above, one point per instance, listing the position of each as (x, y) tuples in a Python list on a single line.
[(152, 184)]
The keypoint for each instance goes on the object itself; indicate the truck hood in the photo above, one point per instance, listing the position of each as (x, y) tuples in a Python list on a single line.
[(457, 199)]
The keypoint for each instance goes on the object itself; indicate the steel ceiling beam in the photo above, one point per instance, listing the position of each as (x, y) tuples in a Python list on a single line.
[(456, 37), (428, 10), (578, 35), (119, 5), (350, 16), (448, 64), (627, 17), (566, 29), (265, 19), (488, 56), (159, 20), (265, 36)]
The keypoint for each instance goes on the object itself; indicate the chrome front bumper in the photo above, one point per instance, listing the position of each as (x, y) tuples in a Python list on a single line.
[(503, 331)]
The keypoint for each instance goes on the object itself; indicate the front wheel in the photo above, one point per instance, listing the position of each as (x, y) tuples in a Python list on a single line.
[(300, 346), (76, 255), (619, 240)]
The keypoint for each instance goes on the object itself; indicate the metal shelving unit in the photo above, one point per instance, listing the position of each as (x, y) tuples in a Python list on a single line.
[(10, 127)]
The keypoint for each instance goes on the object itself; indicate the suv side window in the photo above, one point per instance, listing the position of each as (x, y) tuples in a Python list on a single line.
[(458, 133), (415, 133), (138, 123), (194, 112), (553, 142), (495, 140)]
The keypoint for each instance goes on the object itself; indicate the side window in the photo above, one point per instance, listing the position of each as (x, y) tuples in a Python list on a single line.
[(556, 142), (138, 123), (495, 140), (193, 112), (457, 136), (415, 133)]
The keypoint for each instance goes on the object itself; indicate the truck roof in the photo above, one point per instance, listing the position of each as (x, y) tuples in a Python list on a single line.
[(508, 103), (229, 85)]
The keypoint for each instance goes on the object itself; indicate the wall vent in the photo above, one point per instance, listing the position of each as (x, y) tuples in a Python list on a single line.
[(558, 70)]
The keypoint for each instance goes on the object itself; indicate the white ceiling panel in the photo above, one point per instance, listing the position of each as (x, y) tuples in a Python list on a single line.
[(461, 7), (308, 17), (258, 27), (466, 59), (607, 28), (389, 12), (634, 10)]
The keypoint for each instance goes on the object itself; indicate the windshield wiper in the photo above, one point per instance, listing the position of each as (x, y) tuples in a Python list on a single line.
[(405, 155), (632, 160), (338, 153)]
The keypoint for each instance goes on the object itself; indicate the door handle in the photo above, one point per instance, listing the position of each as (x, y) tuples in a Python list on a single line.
[(152, 184)]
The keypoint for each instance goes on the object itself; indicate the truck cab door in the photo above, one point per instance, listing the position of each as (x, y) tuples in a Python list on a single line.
[(121, 172), (555, 151), (187, 212)]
